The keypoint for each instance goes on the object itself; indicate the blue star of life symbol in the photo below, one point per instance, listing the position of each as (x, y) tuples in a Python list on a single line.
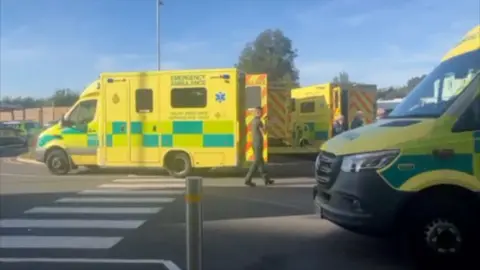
[(220, 97)]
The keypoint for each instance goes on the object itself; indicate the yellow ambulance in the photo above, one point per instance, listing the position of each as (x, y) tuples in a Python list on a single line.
[(415, 173), (179, 120), (314, 108)]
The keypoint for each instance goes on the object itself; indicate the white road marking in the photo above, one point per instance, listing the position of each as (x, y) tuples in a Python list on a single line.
[(146, 180), (168, 264), (136, 186), (114, 200), (131, 192), (69, 242), (94, 210), (71, 223)]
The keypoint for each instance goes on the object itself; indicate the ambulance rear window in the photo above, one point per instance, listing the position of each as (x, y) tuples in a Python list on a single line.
[(195, 97), (144, 100), (307, 107)]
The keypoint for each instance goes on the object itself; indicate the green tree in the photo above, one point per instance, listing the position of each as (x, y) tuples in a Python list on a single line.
[(402, 91), (342, 77), (63, 97), (271, 53)]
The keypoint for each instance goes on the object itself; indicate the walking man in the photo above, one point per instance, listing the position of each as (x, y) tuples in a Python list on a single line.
[(258, 130), (357, 121), (338, 125)]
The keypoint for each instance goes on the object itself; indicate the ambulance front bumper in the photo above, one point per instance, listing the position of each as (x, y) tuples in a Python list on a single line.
[(361, 202), (40, 154)]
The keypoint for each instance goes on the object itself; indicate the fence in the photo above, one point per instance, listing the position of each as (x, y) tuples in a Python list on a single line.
[(42, 115)]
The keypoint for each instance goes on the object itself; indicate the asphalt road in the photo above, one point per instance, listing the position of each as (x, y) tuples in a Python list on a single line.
[(136, 220)]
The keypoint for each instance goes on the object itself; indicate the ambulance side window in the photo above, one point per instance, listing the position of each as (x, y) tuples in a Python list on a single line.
[(84, 112), (144, 100), (470, 119), (195, 97)]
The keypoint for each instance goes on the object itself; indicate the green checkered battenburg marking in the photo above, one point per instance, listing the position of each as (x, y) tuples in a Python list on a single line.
[(192, 131), (218, 134)]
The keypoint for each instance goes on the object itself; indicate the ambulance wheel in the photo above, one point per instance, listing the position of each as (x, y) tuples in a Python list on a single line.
[(179, 164), (58, 162), (440, 231)]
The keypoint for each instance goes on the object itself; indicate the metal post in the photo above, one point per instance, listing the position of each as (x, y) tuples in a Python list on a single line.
[(159, 3), (194, 219)]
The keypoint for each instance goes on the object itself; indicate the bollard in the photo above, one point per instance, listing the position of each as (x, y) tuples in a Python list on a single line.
[(194, 220)]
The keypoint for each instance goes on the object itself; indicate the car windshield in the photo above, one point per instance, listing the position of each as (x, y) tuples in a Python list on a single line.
[(432, 97)]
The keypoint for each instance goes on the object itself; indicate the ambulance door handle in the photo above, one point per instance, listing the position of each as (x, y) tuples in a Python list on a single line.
[(443, 153), (154, 128)]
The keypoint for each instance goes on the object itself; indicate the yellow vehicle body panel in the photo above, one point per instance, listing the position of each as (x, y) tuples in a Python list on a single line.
[(200, 112), (470, 42)]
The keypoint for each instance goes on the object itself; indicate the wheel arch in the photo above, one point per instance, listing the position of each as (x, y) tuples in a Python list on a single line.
[(466, 196)]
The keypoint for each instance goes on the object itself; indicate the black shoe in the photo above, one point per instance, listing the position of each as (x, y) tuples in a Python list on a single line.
[(250, 184), (269, 182)]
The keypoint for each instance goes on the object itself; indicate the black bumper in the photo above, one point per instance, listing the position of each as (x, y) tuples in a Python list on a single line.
[(360, 202)]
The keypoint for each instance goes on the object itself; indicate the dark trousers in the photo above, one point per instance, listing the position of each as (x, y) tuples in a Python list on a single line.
[(257, 165)]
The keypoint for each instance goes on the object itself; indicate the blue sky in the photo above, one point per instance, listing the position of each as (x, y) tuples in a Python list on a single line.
[(50, 44)]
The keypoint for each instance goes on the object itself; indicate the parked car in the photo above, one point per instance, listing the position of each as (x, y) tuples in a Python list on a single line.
[(11, 137)]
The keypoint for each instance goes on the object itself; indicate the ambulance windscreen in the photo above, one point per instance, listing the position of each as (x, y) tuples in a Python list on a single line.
[(436, 92), (253, 96)]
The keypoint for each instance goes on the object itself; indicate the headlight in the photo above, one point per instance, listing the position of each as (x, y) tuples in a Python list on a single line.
[(374, 160)]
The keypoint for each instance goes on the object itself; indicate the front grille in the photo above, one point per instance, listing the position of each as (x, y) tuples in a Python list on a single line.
[(327, 168)]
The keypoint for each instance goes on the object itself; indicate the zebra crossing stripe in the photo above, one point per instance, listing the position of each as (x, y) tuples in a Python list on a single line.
[(137, 186), (166, 263), (71, 223), (130, 192), (94, 210), (114, 200), (66, 242)]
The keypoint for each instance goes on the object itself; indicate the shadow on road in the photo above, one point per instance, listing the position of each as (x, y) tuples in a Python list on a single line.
[(287, 170)]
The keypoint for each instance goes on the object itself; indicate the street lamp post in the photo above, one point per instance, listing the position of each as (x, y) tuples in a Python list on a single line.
[(159, 3)]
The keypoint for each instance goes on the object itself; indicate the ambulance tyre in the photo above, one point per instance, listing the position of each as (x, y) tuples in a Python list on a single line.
[(178, 164), (440, 230), (58, 162)]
